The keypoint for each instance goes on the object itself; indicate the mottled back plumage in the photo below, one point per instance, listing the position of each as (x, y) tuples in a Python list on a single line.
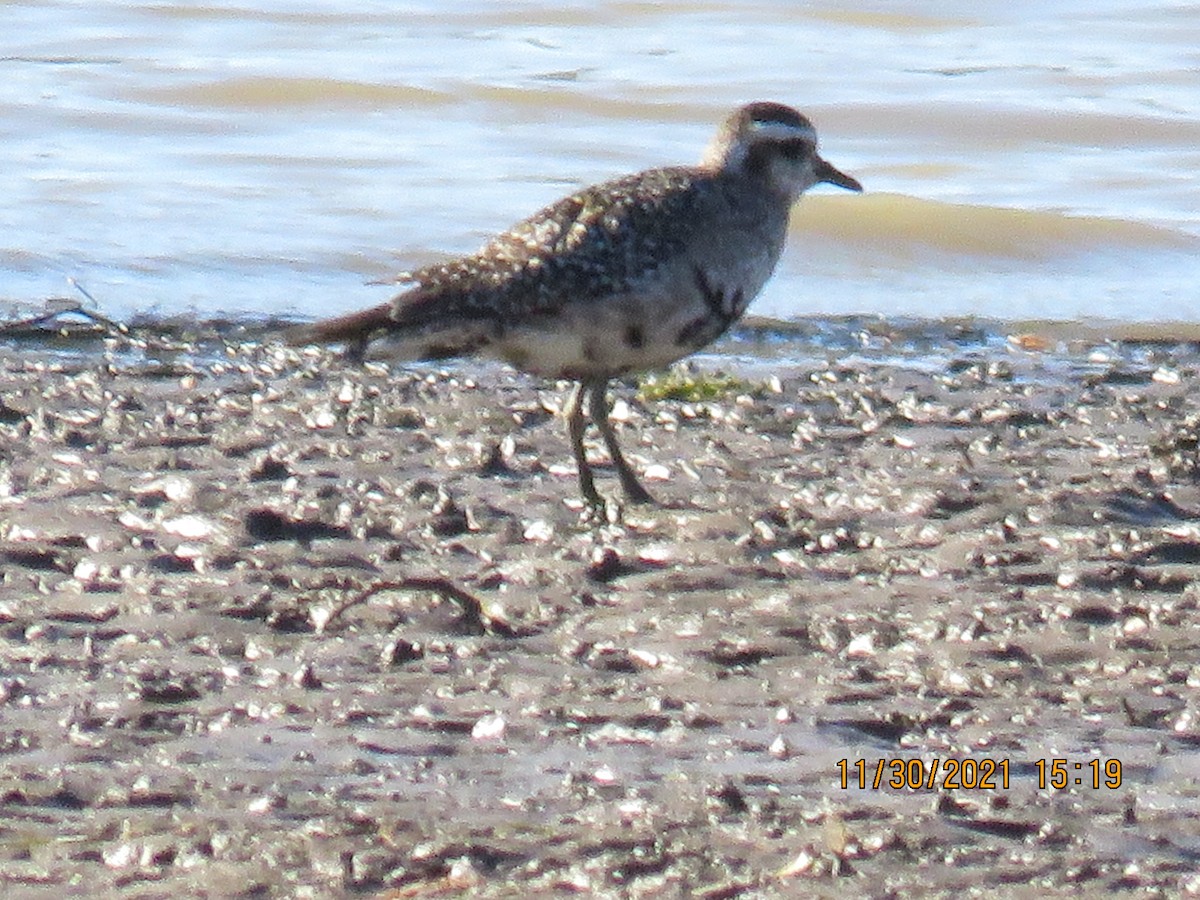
[(580, 249)]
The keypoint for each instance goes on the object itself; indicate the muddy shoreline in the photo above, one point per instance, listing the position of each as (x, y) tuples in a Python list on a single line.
[(270, 624)]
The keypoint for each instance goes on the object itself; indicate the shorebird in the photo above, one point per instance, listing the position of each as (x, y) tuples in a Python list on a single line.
[(624, 276)]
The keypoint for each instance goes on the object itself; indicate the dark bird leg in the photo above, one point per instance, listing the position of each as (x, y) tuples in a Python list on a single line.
[(575, 425), (598, 406)]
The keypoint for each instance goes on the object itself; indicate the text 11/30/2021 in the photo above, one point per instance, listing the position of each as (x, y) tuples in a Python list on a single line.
[(975, 774)]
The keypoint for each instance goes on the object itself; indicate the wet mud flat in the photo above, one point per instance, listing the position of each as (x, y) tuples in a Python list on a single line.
[(274, 625)]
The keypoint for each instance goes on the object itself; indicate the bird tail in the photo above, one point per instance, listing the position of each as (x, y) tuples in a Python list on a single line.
[(356, 328), (413, 337)]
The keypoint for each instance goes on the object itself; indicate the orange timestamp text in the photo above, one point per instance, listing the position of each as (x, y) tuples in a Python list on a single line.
[(971, 773), (951, 774)]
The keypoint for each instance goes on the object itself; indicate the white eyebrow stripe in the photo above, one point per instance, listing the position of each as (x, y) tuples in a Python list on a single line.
[(782, 131)]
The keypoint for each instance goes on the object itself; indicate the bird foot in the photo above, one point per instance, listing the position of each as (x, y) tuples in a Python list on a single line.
[(635, 493), (598, 510), (603, 511)]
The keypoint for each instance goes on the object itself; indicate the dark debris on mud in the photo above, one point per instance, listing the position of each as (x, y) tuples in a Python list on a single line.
[(274, 625)]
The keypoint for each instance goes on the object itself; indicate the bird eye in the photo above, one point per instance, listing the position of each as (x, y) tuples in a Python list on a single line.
[(795, 150)]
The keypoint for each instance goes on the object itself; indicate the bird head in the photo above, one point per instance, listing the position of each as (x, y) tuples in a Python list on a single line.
[(773, 142)]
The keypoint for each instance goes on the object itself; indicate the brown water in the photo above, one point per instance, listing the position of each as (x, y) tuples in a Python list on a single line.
[(264, 158)]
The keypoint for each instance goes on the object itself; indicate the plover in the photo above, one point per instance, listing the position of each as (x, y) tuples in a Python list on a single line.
[(624, 276)]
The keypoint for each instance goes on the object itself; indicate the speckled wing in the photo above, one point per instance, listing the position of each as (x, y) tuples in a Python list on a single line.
[(600, 241), (587, 246)]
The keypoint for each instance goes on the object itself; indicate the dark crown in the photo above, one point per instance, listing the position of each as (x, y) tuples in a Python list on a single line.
[(767, 113)]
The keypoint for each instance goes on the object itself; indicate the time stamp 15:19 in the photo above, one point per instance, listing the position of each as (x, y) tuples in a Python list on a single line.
[(975, 774)]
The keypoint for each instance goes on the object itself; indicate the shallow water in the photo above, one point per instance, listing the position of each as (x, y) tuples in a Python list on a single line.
[(267, 159)]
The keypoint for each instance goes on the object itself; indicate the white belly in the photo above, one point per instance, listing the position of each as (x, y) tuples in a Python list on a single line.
[(626, 334)]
